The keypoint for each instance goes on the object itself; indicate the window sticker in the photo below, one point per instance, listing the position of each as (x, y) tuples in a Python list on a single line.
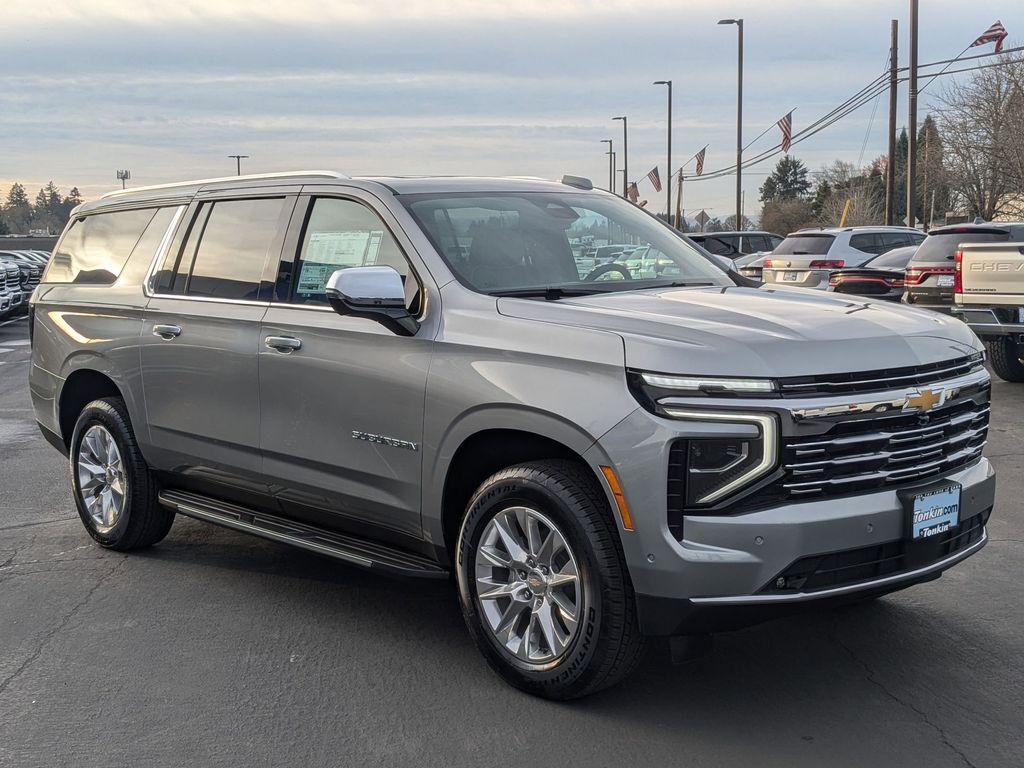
[(327, 252)]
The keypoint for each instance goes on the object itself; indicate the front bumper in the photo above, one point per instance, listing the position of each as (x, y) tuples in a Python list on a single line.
[(719, 572)]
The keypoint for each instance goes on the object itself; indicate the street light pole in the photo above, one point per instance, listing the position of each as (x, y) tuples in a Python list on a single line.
[(912, 118), (238, 162), (611, 175), (668, 169), (625, 154), (890, 166), (739, 118)]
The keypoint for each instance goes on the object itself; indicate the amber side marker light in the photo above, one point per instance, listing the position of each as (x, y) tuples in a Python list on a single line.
[(620, 499)]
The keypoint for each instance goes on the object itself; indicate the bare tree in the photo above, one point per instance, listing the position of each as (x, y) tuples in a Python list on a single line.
[(785, 216), (982, 122), (863, 190)]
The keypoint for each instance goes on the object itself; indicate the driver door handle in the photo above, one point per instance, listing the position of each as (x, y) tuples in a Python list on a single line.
[(167, 332), (283, 343)]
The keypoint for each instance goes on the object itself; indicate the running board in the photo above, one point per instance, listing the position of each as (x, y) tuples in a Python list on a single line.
[(351, 549)]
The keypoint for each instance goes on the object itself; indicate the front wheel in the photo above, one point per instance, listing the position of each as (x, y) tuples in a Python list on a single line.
[(544, 589), (1006, 357)]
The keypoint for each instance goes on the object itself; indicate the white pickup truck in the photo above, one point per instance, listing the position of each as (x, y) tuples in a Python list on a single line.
[(989, 295)]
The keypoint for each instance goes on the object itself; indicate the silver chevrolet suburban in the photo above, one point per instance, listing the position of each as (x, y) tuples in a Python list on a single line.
[(428, 377)]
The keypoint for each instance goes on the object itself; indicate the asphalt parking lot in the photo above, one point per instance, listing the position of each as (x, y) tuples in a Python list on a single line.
[(216, 649)]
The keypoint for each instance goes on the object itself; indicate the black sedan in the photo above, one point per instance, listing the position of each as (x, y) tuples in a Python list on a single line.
[(878, 278)]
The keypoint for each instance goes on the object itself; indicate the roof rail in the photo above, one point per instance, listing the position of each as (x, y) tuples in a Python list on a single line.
[(246, 177)]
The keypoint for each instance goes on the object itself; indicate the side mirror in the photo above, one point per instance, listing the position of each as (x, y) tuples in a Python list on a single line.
[(375, 293)]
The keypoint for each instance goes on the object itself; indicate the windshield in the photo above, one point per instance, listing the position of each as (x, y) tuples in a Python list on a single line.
[(797, 245), (940, 246), (579, 243)]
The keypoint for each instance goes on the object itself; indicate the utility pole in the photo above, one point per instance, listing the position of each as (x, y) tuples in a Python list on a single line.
[(123, 177), (668, 173), (615, 171), (739, 115), (912, 117), (679, 200), (625, 153), (238, 162), (924, 186), (890, 166), (611, 176)]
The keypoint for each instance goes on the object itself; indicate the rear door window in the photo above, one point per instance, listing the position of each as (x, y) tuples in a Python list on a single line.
[(805, 245), (868, 242), (718, 246), (755, 243), (95, 248), (231, 247)]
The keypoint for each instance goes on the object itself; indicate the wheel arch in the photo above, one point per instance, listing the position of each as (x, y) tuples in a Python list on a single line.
[(484, 442)]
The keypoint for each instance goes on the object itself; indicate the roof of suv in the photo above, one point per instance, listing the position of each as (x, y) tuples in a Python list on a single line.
[(402, 185), (954, 229), (732, 233), (838, 230)]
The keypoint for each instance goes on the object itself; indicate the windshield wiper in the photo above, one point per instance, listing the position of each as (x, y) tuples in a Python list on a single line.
[(550, 293)]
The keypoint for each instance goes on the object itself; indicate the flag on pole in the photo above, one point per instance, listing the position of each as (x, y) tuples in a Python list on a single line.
[(786, 126), (632, 192), (994, 34), (655, 179), (700, 161)]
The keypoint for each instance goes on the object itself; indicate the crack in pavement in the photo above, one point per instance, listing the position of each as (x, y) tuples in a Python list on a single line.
[(33, 525), (47, 637), (873, 679)]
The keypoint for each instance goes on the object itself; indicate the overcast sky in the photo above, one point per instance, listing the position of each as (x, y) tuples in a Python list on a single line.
[(168, 90)]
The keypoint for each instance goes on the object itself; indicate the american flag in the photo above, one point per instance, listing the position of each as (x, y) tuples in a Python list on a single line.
[(700, 161), (632, 192), (994, 34), (786, 126), (655, 179)]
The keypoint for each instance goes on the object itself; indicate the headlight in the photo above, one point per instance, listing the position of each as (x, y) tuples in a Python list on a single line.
[(718, 466), (709, 384)]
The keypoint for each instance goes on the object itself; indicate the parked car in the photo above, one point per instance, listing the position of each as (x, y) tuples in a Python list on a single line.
[(805, 259), (30, 273), (880, 277), (8, 291), (736, 244), (989, 295), (751, 265), (930, 274), (301, 357), (13, 279)]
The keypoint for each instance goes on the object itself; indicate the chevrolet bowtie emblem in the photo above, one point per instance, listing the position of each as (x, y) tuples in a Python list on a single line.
[(924, 400)]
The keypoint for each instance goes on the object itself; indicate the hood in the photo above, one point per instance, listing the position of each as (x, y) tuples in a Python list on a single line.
[(766, 331)]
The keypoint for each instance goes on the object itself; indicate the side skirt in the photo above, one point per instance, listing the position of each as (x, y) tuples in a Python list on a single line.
[(351, 549)]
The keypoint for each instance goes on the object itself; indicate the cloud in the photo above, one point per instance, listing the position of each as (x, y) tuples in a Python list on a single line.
[(169, 89)]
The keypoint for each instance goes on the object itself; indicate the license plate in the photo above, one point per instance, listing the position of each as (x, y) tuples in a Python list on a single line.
[(789, 277), (944, 281), (934, 512)]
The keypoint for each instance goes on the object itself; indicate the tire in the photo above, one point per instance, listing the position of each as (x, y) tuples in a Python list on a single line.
[(604, 644), (141, 520), (1004, 355)]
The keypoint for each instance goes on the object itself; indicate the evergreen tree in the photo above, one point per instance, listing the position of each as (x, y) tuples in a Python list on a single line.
[(788, 181), (17, 209)]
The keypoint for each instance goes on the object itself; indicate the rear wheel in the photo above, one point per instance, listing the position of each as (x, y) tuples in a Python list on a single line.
[(543, 585), (115, 491), (1005, 356)]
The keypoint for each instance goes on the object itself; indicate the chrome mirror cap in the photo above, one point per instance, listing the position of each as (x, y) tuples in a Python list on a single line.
[(367, 286)]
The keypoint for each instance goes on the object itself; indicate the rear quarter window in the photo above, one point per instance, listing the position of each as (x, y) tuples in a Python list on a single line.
[(95, 248)]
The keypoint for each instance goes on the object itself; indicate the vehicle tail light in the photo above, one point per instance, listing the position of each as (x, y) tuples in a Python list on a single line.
[(917, 275), (958, 272), (896, 282), (828, 264), (766, 264), (834, 280)]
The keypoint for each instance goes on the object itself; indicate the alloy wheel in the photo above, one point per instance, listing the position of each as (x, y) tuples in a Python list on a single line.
[(102, 483), (528, 586)]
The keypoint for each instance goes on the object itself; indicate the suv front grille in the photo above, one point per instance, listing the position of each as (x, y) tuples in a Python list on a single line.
[(838, 569), (878, 452), (878, 381)]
